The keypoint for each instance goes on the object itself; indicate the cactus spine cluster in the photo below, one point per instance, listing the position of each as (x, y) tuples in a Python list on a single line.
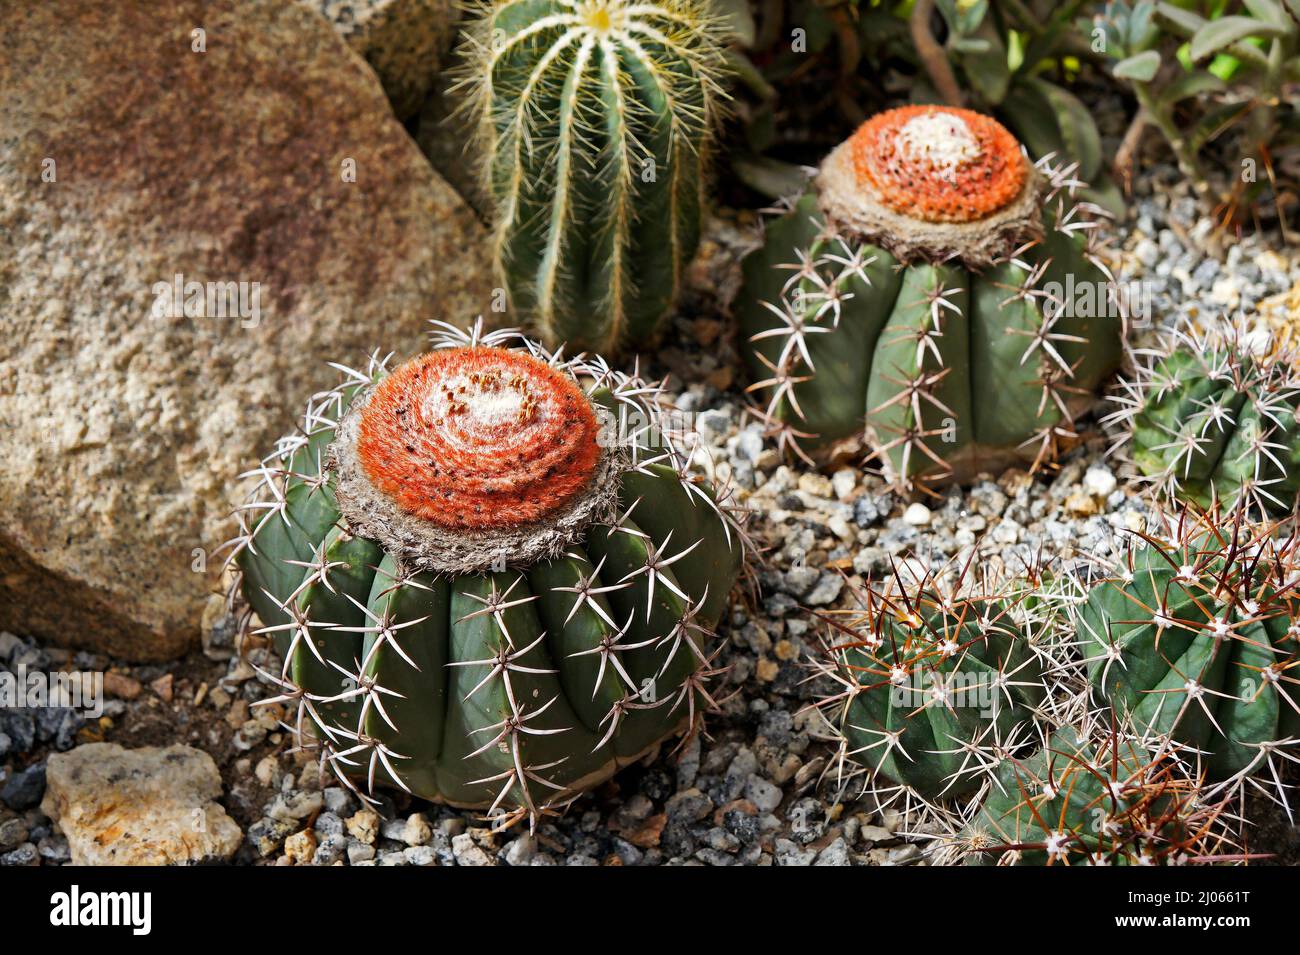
[(489, 574), (596, 118), (1213, 417), (1092, 798), (932, 687), (1196, 639), (935, 297)]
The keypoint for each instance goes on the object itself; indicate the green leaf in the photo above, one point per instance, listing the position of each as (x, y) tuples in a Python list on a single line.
[(1214, 36), (1193, 84), (1268, 11), (736, 20), (1141, 68), (769, 177)]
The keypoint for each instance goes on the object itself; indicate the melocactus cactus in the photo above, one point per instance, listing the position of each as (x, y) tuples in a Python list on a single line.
[(1213, 417), (934, 296), (490, 576), (933, 688), (1092, 798), (1195, 637), (596, 121)]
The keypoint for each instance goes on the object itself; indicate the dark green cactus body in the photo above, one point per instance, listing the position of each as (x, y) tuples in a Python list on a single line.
[(943, 366), (931, 692), (1197, 641), (512, 688), (1213, 426), (597, 123), (1078, 802)]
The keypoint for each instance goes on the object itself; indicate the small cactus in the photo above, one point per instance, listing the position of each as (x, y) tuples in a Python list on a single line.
[(596, 120), (933, 689), (490, 577), (1213, 418), (1195, 638), (1092, 797), (934, 296)]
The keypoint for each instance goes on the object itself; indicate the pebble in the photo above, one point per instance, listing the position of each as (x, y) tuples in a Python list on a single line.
[(917, 514)]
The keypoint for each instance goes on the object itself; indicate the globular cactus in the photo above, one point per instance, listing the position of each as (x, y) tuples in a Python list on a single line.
[(1195, 638), (596, 120), (935, 685), (489, 574), (1092, 797), (1213, 417), (935, 296)]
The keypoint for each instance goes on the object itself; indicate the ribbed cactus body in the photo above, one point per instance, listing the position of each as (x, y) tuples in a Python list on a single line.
[(932, 689), (597, 117), (1214, 424), (1197, 640), (512, 687), (943, 364), (1085, 801)]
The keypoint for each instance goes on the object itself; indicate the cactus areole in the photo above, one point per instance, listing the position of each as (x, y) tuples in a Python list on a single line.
[(489, 573), (934, 298), (932, 182)]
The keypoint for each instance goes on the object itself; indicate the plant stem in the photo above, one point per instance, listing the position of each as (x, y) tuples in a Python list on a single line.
[(1160, 115), (933, 57)]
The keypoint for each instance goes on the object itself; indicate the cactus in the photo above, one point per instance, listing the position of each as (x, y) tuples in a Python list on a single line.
[(596, 120), (934, 296), (1195, 638), (489, 575), (1092, 797), (1213, 417), (933, 688)]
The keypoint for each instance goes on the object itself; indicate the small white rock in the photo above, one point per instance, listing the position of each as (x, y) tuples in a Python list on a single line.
[(1099, 482), (918, 515)]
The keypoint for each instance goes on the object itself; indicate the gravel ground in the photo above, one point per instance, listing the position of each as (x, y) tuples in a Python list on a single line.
[(756, 789)]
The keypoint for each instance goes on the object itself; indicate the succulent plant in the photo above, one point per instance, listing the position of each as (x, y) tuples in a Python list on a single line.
[(1213, 417), (1195, 638), (596, 119), (932, 687), (489, 574), (935, 296), (1092, 797)]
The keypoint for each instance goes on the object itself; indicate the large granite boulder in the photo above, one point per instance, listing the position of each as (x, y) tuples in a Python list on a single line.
[(258, 158)]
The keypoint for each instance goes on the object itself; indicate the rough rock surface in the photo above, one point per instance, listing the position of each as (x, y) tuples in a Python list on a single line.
[(148, 806), (405, 41), (128, 157)]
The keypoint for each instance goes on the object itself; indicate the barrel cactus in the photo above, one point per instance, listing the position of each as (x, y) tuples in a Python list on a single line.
[(1092, 797), (934, 296), (596, 119), (931, 688), (1213, 417), (489, 574), (1195, 638)]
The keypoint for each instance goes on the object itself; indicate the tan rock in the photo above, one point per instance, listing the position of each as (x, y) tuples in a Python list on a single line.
[(128, 157), (148, 806), (406, 42)]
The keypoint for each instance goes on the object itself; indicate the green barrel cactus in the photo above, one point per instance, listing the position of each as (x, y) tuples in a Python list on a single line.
[(934, 297), (489, 575), (1091, 798), (596, 122), (1214, 418), (1195, 639), (931, 688)]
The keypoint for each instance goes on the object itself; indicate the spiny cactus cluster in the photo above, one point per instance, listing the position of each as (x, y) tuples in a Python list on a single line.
[(935, 683), (1092, 798), (596, 120), (489, 574), (935, 296), (1213, 417), (1195, 638)]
